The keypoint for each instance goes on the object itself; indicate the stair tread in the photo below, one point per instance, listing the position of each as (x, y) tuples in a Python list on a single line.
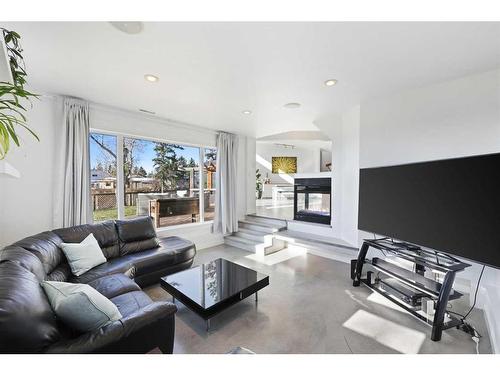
[(260, 224), (256, 237), (243, 240), (254, 232), (265, 219)]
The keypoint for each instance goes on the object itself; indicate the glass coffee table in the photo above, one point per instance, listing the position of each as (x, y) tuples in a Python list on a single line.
[(211, 288)]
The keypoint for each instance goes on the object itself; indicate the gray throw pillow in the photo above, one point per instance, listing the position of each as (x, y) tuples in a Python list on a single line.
[(80, 306), (84, 255)]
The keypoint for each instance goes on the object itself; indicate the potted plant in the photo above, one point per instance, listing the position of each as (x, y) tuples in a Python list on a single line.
[(13, 96), (258, 185)]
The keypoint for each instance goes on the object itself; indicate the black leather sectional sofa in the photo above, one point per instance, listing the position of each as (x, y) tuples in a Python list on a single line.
[(136, 257)]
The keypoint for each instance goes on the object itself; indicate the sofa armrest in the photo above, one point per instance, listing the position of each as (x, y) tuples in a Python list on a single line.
[(147, 328)]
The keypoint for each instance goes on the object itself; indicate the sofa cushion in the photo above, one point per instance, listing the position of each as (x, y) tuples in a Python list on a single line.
[(45, 246), (25, 259), (131, 302), (114, 285), (80, 306), (27, 322), (113, 266), (136, 235), (84, 255), (172, 250), (104, 233)]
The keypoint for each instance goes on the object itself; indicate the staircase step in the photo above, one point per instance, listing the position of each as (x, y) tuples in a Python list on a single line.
[(277, 223), (253, 231), (255, 247), (263, 237), (253, 225), (245, 244), (319, 245), (277, 246)]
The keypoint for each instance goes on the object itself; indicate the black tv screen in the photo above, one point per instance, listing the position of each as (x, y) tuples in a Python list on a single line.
[(450, 205)]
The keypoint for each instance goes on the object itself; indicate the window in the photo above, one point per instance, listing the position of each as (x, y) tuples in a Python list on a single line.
[(209, 169), (103, 176), (159, 179)]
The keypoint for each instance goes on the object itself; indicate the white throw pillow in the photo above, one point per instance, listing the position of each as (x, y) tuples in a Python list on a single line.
[(80, 306), (84, 255)]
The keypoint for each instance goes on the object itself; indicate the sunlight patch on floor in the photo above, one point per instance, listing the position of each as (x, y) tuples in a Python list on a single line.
[(395, 336), (278, 257)]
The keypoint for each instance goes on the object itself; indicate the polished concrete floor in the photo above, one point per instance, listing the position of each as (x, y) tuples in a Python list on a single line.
[(310, 306)]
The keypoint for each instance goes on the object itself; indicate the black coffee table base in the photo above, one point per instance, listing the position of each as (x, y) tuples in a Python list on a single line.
[(207, 320), (235, 284)]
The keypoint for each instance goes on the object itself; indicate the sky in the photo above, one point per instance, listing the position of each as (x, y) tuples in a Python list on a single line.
[(144, 157)]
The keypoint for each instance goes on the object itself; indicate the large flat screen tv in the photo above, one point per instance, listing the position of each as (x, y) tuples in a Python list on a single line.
[(449, 205)]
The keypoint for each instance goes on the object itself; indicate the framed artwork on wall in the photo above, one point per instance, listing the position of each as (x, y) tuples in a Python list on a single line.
[(284, 164)]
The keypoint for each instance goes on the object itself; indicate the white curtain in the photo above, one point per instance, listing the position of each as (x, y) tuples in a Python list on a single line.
[(72, 194), (226, 219)]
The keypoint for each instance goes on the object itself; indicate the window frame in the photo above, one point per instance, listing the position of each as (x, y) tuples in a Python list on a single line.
[(120, 188)]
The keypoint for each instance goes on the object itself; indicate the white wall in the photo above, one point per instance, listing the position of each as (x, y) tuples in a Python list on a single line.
[(349, 172), (308, 159), (446, 120), (450, 119), (343, 130), (27, 203)]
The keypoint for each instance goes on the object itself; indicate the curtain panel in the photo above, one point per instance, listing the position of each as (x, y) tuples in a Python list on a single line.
[(72, 195), (226, 219)]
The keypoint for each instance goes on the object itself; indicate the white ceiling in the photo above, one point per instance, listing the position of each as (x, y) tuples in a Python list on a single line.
[(210, 72)]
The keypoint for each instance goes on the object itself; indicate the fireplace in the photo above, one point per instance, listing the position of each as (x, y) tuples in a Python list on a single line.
[(312, 200)]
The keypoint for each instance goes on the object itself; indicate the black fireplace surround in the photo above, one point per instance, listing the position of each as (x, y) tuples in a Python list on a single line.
[(312, 200)]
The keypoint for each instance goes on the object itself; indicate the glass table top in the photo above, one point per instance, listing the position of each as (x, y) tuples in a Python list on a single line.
[(213, 282)]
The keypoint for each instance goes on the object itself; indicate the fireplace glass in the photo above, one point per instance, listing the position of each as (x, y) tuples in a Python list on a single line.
[(312, 200)]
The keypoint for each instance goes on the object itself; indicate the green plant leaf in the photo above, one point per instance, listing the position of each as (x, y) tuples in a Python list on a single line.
[(12, 112)]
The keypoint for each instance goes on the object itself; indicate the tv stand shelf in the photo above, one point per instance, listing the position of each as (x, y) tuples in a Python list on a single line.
[(411, 289), (413, 279)]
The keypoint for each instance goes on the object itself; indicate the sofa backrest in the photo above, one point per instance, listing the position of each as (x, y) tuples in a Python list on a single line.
[(25, 259), (104, 233), (27, 322), (46, 246), (136, 235)]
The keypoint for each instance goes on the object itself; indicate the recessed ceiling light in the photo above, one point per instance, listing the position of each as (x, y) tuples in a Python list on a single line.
[(292, 105), (128, 27), (331, 82), (151, 78), (247, 112)]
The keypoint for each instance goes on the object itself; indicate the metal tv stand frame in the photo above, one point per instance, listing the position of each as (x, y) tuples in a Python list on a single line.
[(438, 292)]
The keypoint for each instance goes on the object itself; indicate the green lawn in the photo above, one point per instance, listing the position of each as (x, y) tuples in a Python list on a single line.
[(112, 213)]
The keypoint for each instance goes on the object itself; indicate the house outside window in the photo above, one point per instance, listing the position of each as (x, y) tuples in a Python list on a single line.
[(103, 176), (159, 179)]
